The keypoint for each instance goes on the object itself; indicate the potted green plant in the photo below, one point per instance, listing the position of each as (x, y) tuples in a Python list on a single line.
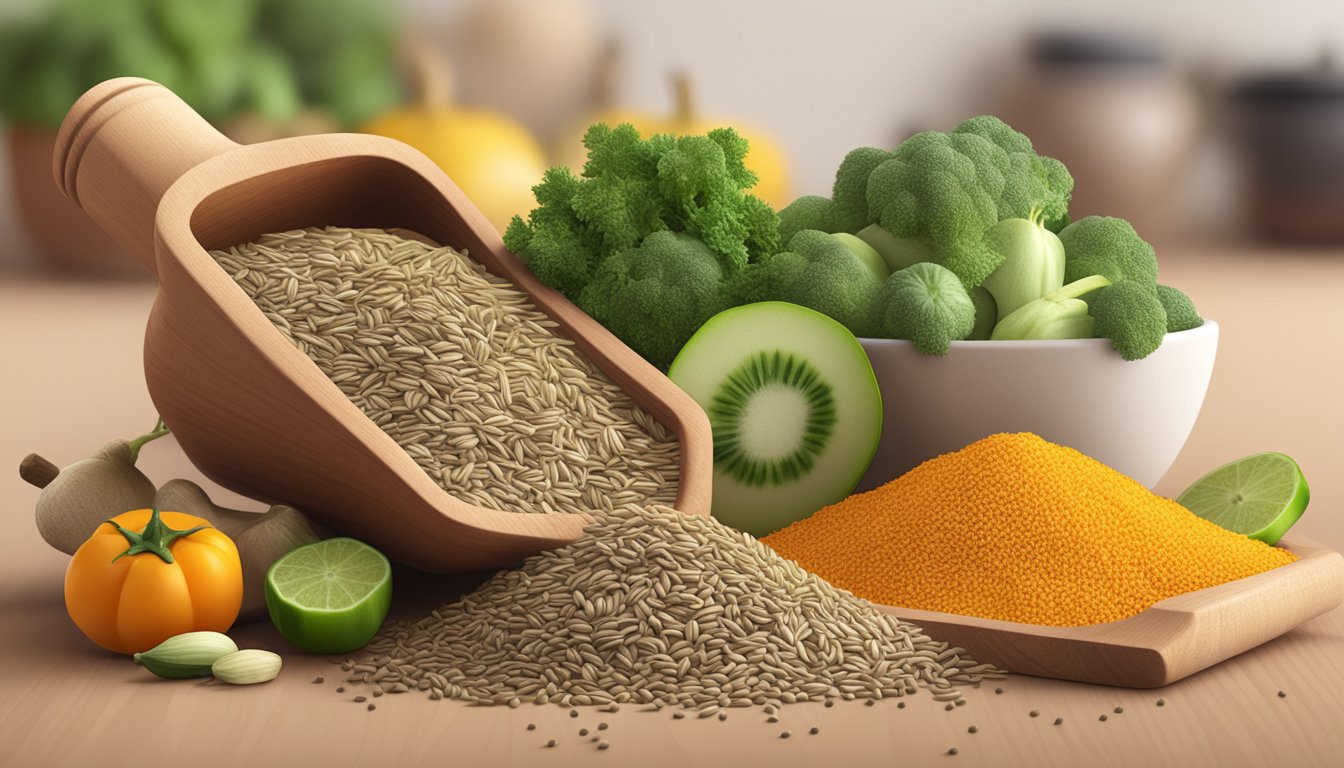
[(257, 69)]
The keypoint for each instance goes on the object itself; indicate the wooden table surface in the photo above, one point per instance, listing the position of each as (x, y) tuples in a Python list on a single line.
[(72, 381)]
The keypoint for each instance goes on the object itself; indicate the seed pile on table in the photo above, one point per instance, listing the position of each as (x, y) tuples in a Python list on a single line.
[(460, 368), (1017, 528), (653, 607)]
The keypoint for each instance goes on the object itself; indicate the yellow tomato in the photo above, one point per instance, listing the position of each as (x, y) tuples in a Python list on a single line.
[(146, 575)]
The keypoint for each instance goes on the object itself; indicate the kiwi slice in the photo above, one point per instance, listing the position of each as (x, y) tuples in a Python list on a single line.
[(794, 406)]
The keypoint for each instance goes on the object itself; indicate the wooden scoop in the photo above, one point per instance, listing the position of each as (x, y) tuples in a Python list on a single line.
[(248, 407)]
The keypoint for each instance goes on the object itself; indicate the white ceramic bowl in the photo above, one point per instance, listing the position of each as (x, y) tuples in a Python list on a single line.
[(1132, 415)]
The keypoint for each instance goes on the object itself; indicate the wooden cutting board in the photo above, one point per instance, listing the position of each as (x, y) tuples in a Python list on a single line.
[(1175, 638)]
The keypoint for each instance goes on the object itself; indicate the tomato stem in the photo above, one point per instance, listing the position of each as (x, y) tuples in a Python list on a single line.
[(156, 538)]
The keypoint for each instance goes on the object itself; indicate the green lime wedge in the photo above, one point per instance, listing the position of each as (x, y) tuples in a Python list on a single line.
[(330, 596), (1260, 496)]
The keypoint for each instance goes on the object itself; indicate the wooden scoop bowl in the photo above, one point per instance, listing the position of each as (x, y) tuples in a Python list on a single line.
[(248, 407)]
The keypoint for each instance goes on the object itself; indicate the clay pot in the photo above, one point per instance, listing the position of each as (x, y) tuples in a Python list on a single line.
[(1290, 130)]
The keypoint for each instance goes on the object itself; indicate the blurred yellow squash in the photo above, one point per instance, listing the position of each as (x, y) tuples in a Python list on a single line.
[(492, 157), (765, 157)]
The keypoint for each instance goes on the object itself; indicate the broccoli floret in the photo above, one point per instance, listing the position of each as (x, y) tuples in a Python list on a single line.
[(1102, 245), (940, 192), (1131, 316), (1036, 187), (927, 304), (655, 295), (846, 210), (1181, 313), (818, 272), (807, 212), (1059, 314), (633, 187)]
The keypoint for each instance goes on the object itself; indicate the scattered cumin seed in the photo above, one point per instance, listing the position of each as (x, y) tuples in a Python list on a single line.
[(814, 730), (1059, 721), (973, 729), (785, 735), (550, 743), (1102, 718), (1119, 710), (1035, 713), (372, 706), (360, 699), (953, 751), (318, 680)]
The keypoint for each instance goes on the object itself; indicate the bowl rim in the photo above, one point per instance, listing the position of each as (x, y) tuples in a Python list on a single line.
[(1209, 328)]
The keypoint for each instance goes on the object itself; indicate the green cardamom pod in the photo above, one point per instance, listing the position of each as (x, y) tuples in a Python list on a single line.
[(247, 667), (190, 654)]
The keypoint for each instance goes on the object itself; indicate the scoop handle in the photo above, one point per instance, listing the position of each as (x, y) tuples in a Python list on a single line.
[(121, 147)]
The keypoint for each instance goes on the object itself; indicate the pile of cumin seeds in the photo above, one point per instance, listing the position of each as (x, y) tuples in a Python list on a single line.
[(460, 368), (656, 607)]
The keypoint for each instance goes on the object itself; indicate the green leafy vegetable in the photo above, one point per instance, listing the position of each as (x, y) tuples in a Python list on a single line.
[(846, 210), (656, 295), (589, 235), (1103, 245), (820, 271), (927, 304), (1181, 312), (1130, 314), (939, 194), (222, 58)]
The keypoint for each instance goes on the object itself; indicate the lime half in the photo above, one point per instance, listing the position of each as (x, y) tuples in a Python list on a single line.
[(1260, 496), (331, 596)]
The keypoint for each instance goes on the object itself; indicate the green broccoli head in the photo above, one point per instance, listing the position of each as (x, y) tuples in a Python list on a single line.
[(655, 295), (1037, 187), (1181, 313), (846, 210), (927, 304), (1130, 314), (1102, 245), (807, 212), (818, 272), (633, 187), (940, 192)]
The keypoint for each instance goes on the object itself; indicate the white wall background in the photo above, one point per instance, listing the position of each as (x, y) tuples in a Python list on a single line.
[(826, 76)]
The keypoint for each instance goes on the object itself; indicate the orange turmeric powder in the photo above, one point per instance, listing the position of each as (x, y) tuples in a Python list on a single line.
[(1016, 528)]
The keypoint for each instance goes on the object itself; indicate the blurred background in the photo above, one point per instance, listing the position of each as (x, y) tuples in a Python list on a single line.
[(1200, 124)]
